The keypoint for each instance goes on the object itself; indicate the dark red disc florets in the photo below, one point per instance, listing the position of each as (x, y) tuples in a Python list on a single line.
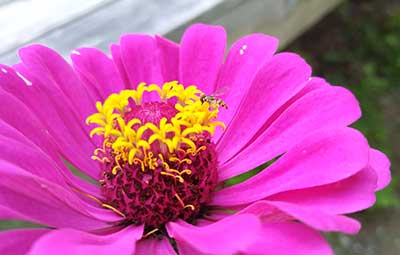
[(152, 197)]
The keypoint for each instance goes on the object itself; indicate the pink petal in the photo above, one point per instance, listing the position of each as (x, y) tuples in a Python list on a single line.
[(318, 219), (381, 164), (141, 59), (169, 55), (7, 213), (115, 50), (40, 142), (18, 242), (266, 212), (28, 156), (186, 249), (274, 84), (323, 157), (19, 150), (228, 236), (347, 196), (289, 238), (27, 123), (37, 200), (50, 68), (312, 84), (97, 71), (154, 247), (328, 107), (69, 241), (53, 117), (245, 58), (201, 55)]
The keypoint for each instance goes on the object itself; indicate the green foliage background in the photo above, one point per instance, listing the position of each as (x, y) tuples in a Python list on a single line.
[(358, 46)]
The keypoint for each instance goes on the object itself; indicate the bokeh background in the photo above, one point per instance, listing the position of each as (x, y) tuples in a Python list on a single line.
[(352, 43), (358, 46)]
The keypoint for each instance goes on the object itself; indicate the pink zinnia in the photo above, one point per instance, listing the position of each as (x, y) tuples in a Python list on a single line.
[(149, 127)]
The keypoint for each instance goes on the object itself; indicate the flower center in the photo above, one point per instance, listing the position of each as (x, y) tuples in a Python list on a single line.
[(158, 162)]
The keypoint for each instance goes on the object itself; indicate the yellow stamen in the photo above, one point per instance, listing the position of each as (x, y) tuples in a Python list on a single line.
[(113, 209), (96, 151), (185, 160), (136, 160), (186, 171), (194, 152), (180, 179), (192, 207), (131, 140), (118, 166), (179, 199), (87, 195), (102, 160), (150, 232), (115, 169)]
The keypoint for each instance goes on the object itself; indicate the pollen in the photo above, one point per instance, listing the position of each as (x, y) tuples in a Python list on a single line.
[(157, 158)]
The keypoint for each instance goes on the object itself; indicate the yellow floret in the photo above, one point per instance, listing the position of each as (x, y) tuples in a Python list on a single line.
[(127, 140)]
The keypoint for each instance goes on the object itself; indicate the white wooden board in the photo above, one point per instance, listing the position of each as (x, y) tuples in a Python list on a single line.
[(68, 24)]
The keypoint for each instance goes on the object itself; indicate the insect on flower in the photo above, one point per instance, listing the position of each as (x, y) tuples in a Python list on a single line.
[(213, 100)]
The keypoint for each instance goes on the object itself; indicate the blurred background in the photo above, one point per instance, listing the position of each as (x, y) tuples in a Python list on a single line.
[(357, 45), (353, 43)]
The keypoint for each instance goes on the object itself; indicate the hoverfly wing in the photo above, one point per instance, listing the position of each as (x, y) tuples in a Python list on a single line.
[(221, 91)]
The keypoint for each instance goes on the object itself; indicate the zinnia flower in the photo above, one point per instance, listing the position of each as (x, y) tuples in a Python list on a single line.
[(148, 127)]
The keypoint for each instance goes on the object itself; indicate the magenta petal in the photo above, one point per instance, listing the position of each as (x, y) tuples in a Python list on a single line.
[(141, 59), (18, 242), (314, 83), (7, 213), (39, 159), (154, 247), (274, 84), (319, 219), (97, 71), (115, 50), (245, 57), (289, 238), (347, 196), (277, 211), (35, 199), (381, 165), (228, 236), (73, 242), (50, 68), (327, 107), (54, 117), (37, 142), (323, 157), (186, 249), (27, 123), (28, 156), (201, 55), (169, 56), (266, 212)]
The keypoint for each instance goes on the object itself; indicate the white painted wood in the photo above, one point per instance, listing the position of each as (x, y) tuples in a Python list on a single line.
[(21, 21), (285, 19), (96, 23), (106, 24)]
